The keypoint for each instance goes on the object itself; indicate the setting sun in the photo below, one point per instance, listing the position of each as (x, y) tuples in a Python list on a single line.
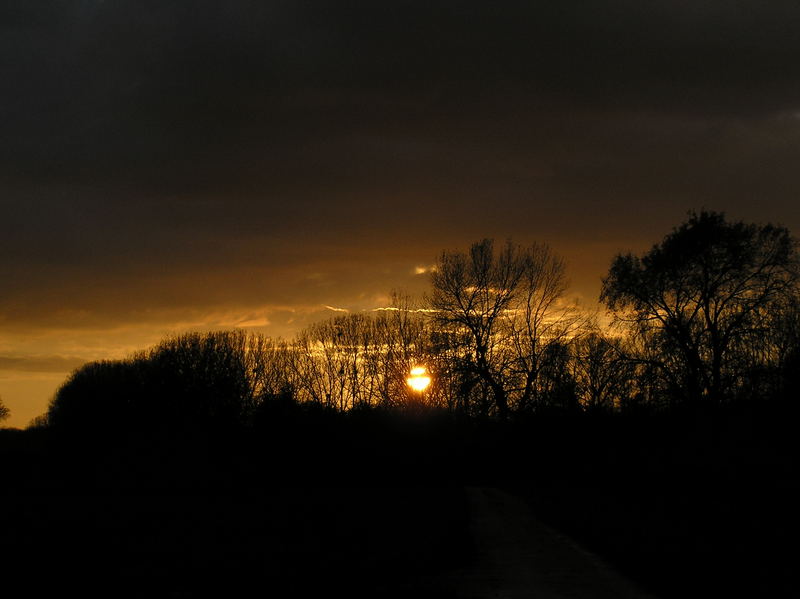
[(419, 379)]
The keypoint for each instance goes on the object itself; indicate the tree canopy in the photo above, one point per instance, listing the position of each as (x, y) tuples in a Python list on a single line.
[(700, 301)]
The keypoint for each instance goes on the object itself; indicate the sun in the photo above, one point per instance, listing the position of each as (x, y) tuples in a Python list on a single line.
[(419, 379)]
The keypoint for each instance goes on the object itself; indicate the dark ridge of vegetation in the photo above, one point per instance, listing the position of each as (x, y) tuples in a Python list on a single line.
[(677, 499), (665, 443), (710, 315)]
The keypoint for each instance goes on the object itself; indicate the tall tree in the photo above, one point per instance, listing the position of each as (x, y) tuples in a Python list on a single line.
[(503, 310), (696, 299)]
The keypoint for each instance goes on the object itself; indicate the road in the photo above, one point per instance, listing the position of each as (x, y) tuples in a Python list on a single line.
[(518, 557)]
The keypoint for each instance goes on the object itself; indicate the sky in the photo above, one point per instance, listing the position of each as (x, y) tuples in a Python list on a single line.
[(173, 166)]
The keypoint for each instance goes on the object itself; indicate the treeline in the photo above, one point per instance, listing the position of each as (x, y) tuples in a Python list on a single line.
[(710, 314)]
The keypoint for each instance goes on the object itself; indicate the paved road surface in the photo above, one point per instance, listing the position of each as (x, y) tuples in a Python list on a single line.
[(517, 557)]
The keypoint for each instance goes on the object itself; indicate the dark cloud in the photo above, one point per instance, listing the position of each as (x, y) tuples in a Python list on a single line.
[(170, 155), (143, 92), (56, 364)]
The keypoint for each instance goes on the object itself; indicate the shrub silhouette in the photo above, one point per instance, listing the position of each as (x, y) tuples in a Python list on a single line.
[(190, 381), (200, 379), (97, 395), (4, 411)]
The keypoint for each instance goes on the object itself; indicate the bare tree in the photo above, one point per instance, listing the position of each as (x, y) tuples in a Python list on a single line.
[(363, 358), (318, 367), (503, 311), (402, 342), (602, 371), (206, 373), (541, 326), (267, 363)]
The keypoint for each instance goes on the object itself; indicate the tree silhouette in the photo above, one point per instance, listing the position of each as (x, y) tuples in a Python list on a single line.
[(503, 312), (542, 330), (698, 300), (712, 312), (98, 396), (196, 380), (602, 373), (361, 359), (4, 411), (202, 378)]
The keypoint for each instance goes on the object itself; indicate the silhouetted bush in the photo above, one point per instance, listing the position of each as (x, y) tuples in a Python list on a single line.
[(198, 380), (4, 411), (99, 396)]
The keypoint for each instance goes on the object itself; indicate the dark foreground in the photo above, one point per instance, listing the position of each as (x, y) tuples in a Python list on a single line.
[(291, 542), (688, 504)]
